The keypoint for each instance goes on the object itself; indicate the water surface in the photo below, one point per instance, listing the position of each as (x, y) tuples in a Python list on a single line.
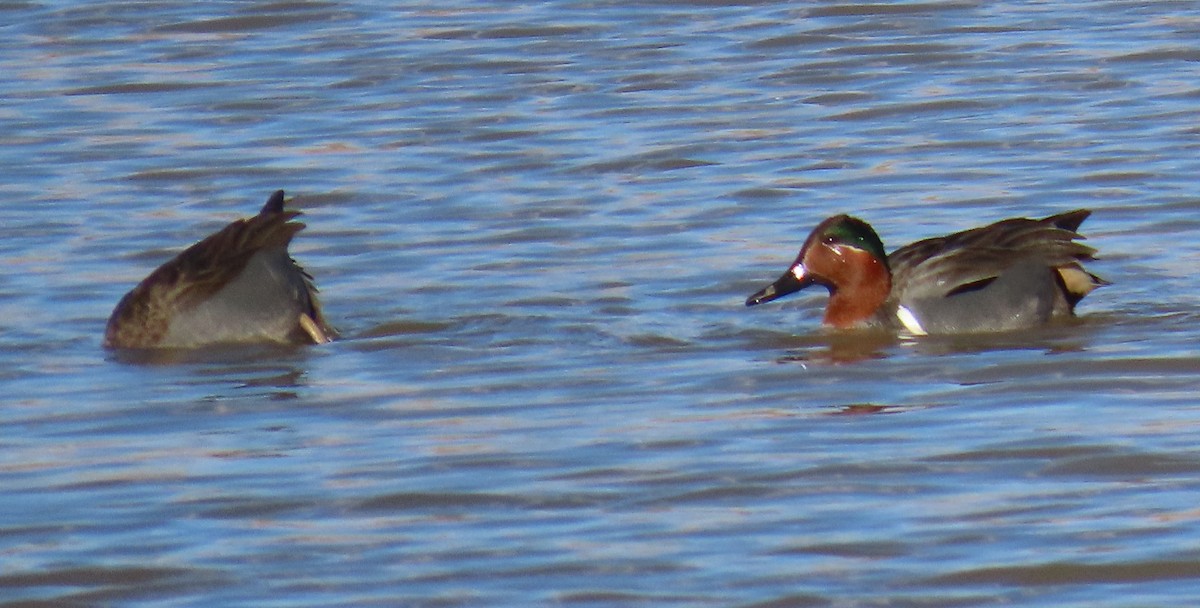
[(535, 225)]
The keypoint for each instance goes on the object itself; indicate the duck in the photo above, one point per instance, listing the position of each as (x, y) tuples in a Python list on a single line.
[(1013, 274), (238, 285)]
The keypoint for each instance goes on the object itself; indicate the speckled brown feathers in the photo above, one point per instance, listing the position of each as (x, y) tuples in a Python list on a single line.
[(144, 317)]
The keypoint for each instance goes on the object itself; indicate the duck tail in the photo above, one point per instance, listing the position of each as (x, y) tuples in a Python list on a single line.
[(274, 203), (1068, 221), (1077, 283)]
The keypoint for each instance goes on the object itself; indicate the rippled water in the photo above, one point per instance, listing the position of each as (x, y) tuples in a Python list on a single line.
[(535, 225)]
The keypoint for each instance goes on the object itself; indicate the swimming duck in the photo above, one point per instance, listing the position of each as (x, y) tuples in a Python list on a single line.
[(238, 285), (1013, 274)]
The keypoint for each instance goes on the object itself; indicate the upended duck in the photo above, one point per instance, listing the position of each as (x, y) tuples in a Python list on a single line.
[(237, 285), (1014, 274)]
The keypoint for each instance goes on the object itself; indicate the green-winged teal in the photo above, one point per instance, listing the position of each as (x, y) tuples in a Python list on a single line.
[(238, 285), (1013, 274)]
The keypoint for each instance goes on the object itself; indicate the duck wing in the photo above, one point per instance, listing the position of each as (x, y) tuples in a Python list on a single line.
[(968, 260)]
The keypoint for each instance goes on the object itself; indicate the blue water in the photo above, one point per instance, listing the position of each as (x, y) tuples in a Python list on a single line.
[(535, 226)]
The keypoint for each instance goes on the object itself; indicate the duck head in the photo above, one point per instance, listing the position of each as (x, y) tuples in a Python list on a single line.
[(844, 255)]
